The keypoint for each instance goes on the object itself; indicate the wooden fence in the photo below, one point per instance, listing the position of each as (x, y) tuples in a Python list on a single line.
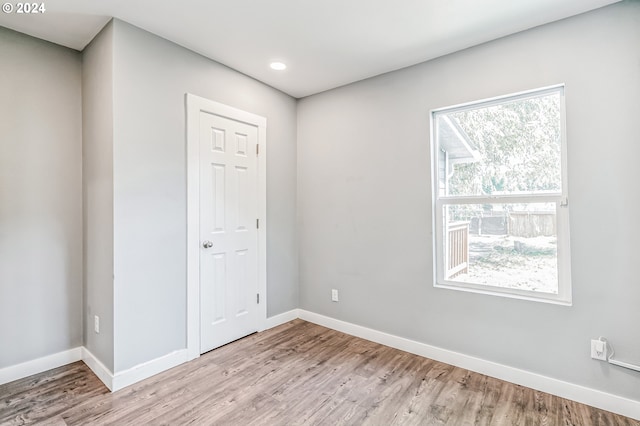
[(532, 224)]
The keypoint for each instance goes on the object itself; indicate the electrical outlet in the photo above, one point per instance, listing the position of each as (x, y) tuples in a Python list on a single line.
[(96, 324), (599, 350), (334, 295)]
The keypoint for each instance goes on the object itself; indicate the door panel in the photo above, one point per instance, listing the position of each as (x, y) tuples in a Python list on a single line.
[(217, 197), (228, 212)]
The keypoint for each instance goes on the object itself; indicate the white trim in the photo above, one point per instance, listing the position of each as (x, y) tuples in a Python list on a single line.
[(261, 122), (193, 220), (147, 369), (280, 319), (440, 242), (134, 374), (606, 401), (99, 369), (496, 100), (194, 104), (29, 368)]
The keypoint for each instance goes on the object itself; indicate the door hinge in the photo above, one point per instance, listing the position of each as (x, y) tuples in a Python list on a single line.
[(257, 223), (258, 298), (257, 149)]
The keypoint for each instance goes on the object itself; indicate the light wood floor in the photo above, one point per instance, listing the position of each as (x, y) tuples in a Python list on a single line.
[(297, 373)]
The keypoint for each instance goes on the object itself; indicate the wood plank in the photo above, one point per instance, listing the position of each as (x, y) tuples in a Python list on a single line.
[(297, 373)]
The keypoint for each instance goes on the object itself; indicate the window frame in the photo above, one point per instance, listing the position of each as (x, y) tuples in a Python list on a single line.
[(564, 295)]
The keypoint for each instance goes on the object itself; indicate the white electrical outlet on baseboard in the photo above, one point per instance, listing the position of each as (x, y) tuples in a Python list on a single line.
[(334, 295), (96, 324), (598, 350)]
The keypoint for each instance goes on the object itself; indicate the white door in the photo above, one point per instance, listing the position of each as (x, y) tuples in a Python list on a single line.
[(228, 230)]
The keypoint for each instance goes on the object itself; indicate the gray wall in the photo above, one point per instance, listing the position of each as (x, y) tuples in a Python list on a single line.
[(97, 180), (365, 212), (151, 77), (40, 199)]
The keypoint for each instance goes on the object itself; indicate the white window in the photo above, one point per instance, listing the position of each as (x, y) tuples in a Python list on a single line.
[(501, 217)]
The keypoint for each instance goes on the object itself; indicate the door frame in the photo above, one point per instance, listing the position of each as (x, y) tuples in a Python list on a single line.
[(193, 105)]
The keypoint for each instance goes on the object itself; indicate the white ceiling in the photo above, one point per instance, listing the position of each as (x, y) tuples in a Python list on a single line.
[(325, 43)]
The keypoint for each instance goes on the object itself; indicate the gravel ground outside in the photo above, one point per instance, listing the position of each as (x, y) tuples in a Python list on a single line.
[(513, 262)]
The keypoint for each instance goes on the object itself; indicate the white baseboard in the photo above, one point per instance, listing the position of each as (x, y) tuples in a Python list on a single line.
[(595, 398), (134, 374), (280, 319), (605, 401), (147, 369), (29, 368), (99, 369)]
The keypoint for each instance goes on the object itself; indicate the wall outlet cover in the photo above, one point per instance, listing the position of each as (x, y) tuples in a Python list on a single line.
[(598, 350)]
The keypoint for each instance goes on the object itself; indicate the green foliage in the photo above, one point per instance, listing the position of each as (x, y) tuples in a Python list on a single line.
[(519, 145)]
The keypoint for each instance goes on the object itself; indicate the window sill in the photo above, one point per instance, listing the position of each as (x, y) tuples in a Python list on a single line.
[(508, 293)]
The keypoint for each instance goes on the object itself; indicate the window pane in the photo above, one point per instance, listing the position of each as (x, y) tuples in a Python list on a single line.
[(502, 245), (509, 148)]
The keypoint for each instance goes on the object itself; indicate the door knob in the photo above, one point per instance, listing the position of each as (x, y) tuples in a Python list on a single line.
[(207, 244)]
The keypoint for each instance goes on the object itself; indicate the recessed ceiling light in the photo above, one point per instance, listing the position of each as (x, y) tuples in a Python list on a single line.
[(278, 66)]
